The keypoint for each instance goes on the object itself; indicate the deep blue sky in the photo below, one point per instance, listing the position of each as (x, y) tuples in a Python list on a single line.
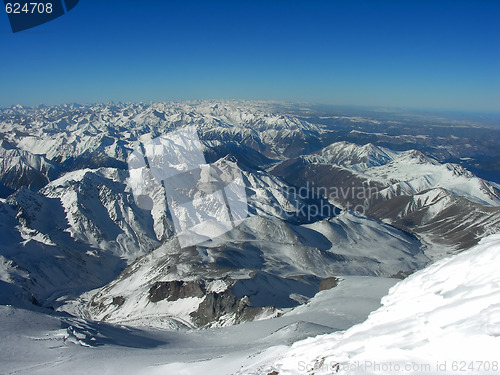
[(422, 54)]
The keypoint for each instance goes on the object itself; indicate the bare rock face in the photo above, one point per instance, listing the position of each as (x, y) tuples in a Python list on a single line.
[(329, 283), (216, 305), (174, 290), (118, 301)]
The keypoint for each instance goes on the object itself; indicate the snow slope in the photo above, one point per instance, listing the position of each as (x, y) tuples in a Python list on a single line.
[(442, 319), (34, 341)]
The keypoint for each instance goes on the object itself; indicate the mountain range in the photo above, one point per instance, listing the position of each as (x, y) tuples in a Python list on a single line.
[(319, 210)]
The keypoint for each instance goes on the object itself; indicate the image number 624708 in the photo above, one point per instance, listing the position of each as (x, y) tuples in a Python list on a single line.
[(25, 14), (18, 8)]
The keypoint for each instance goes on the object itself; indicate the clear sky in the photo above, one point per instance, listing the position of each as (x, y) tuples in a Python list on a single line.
[(417, 54)]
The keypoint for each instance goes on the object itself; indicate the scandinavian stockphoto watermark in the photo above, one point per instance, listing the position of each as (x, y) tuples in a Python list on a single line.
[(354, 198), (204, 200)]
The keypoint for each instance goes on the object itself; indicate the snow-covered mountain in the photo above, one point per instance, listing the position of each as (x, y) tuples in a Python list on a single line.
[(445, 204), (402, 172), (260, 267), (413, 172), (352, 156), (19, 168), (328, 228), (286, 241), (39, 256), (73, 158), (275, 259), (101, 135), (75, 234)]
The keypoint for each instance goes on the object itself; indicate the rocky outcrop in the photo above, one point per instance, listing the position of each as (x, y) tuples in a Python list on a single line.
[(217, 305), (118, 301), (174, 290), (329, 283)]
